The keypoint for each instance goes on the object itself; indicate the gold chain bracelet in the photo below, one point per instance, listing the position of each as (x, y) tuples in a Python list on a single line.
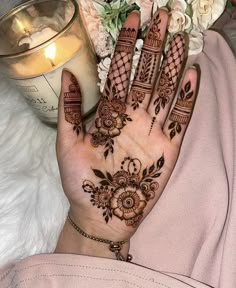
[(114, 247)]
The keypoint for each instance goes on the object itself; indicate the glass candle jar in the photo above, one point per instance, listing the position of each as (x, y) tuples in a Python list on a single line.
[(38, 39)]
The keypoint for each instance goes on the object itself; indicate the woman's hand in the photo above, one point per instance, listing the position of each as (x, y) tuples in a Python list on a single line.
[(114, 174)]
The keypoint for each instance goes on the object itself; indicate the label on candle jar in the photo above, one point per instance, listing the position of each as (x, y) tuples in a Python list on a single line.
[(42, 92), (40, 96)]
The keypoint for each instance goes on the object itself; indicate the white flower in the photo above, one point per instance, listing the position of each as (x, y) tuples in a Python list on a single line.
[(103, 68), (179, 20), (206, 12), (100, 37), (195, 42), (146, 7)]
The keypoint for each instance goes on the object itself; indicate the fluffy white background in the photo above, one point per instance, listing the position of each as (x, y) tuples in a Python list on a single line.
[(32, 203)]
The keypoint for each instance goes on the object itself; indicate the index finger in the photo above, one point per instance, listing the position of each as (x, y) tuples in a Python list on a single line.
[(117, 83)]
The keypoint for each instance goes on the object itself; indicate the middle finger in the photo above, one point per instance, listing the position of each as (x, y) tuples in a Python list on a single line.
[(146, 72)]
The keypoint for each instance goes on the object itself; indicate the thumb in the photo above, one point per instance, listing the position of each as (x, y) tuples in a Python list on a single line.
[(70, 128)]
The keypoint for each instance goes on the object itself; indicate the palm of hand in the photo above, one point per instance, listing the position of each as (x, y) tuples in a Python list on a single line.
[(114, 174), (117, 192)]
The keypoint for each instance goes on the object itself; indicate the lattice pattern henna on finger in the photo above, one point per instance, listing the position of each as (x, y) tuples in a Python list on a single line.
[(112, 117), (170, 73), (119, 72), (146, 71), (72, 105)]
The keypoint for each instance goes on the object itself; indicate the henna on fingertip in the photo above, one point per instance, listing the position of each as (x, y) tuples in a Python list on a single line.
[(72, 104)]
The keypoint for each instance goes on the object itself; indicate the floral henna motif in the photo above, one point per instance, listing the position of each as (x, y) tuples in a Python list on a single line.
[(112, 118), (182, 110), (147, 67), (170, 74), (126, 193), (119, 73), (72, 105)]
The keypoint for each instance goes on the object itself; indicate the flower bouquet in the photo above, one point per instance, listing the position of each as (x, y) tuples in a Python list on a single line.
[(105, 18)]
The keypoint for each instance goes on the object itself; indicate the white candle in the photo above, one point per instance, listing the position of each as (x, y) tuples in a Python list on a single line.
[(42, 88)]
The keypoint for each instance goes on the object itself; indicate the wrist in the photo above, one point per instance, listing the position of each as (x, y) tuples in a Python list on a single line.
[(72, 242)]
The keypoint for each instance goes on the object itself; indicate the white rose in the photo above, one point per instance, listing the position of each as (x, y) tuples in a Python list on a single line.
[(195, 42), (103, 68), (101, 39), (179, 20), (146, 7), (206, 12)]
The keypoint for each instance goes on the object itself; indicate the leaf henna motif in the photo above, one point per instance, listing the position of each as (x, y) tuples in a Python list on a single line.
[(72, 105), (182, 110), (125, 194)]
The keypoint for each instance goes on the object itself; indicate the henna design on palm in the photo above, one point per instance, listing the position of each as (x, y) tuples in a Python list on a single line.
[(182, 110), (112, 118), (170, 74), (126, 193), (146, 70), (72, 105)]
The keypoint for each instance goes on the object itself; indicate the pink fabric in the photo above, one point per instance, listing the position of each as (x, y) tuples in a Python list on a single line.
[(226, 25), (59, 271), (192, 229)]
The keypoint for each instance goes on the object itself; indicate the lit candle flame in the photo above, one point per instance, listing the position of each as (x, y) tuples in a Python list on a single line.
[(20, 24), (50, 53)]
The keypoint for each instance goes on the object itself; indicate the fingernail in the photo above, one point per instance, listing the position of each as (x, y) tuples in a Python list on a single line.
[(193, 67), (136, 12), (164, 8)]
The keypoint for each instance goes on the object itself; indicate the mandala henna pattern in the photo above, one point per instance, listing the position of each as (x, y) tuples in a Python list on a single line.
[(112, 117), (169, 74), (147, 67), (72, 105), (182, 110), (126, 193)]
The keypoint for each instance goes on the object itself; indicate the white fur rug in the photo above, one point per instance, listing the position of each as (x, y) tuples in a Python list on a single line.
[(32, 203)]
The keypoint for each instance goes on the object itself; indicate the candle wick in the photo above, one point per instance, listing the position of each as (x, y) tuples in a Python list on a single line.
[(27, 32)]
